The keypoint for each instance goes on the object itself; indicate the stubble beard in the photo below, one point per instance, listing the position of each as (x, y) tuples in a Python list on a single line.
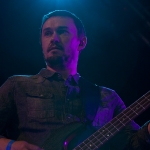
[(57, 61)]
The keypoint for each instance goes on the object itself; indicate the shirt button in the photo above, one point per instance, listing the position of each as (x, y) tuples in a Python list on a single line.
[(59, 76)]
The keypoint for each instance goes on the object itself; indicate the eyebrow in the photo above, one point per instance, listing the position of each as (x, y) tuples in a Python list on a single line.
[(60, 27)]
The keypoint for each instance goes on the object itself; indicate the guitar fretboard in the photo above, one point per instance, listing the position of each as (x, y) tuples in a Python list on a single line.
[(102, 135)]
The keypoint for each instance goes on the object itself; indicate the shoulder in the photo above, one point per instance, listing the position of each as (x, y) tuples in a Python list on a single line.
[(22, 79), (109, 94), (21, 82), (25, 78), (19, 77), (105, 92)]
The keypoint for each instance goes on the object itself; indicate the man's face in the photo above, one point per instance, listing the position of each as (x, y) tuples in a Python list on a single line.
[(60, 42)]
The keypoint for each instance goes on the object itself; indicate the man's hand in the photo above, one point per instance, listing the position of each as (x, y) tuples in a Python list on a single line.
[(22, 145), (17, 145)]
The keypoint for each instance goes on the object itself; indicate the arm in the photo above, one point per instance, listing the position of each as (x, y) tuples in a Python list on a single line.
[(17, 145), (7, 114), (7, 109)]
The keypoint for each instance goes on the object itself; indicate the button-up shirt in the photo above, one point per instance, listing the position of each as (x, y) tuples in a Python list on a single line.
[(33, 107)]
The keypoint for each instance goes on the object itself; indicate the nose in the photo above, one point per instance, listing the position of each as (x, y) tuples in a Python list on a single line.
[(55, 37)]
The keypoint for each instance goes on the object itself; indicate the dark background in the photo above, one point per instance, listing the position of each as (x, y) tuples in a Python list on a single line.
[(118, 50)]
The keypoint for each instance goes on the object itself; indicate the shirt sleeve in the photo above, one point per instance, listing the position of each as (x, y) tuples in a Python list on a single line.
[(6, 107)]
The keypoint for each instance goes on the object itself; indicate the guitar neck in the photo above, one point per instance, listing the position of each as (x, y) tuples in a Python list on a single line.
[(102, 135)]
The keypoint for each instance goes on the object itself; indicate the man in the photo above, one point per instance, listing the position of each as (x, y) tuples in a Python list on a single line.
[(35, 108)]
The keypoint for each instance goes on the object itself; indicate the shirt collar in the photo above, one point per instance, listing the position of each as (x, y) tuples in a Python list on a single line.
[(48, 73)]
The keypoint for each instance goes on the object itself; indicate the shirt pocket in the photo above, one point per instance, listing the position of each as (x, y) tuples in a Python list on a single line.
[(40, 104)]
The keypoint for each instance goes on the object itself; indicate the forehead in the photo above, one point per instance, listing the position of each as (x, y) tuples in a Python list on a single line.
[(57, 21)]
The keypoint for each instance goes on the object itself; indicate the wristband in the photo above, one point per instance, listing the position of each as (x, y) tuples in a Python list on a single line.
[(9, 145)]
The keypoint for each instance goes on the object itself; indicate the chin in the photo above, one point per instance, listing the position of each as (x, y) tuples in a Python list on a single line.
[(54, 60)]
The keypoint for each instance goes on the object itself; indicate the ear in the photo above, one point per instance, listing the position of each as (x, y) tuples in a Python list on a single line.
[(82, 44)]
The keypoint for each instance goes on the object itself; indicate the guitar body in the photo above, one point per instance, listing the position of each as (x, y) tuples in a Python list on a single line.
[(68, 137), (65, 138)]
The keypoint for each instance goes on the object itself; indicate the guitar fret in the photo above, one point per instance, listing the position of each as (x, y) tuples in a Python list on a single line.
[(125, 118), (91, 137), (111, 128), (98, 143), (137, 106), (97, 140), (131, 114), (108, 131), (78, 148), (114, 126), (93, 140), (133, 111), (129, 119), (88, 146), (83, 144), (140, 106), (146, 105), (92, 144), (100, 134), (103, 134), (146, 97), (106, 134), (121, 122), (116, 123), (97, 134)]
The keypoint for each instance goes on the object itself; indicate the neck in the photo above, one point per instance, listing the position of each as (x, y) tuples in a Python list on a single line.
[(65, 71)]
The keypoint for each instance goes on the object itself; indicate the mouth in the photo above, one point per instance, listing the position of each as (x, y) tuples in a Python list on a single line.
[(54, 48)]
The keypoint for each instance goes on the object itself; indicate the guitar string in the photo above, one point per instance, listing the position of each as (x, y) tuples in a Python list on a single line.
[(116, 129), (131, 111), (128, 116), (110, 130), (108, 127), (109, 124)]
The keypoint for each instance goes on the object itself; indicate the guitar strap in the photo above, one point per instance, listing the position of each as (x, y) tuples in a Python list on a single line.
[(90, 96)]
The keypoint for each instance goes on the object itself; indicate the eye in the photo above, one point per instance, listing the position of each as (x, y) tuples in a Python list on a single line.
[(48, 33), (62, 31)]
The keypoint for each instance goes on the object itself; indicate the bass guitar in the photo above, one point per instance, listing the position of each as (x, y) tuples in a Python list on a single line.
[(62, 138)]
